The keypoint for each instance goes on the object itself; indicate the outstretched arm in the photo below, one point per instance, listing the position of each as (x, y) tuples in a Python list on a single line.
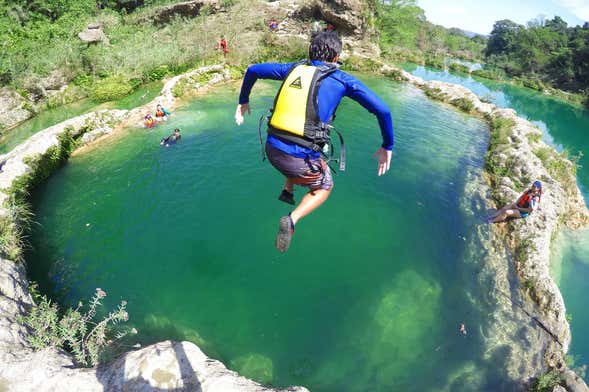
[(254, 72), (371, 102)]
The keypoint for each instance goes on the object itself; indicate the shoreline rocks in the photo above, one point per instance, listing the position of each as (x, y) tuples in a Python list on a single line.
[(524, 243)]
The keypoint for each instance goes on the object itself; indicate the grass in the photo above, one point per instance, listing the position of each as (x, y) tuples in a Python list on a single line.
[(534, 137), (546, 382), (457, 67), (361, 64), (560, 166), (463, 104), (492, 74), (140, 52), (13, 228), (435, 93)]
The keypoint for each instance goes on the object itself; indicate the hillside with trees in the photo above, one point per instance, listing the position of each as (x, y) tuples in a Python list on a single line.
[(548, 52)]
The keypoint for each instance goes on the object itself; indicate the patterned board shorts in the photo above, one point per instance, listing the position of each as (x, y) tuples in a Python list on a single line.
[(312, 173)]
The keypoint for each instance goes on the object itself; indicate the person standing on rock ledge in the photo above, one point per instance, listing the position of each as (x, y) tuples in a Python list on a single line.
[(527, 202), (300, 124)]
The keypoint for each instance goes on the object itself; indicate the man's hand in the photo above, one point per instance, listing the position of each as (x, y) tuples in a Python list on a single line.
[(384, 160), (240, 111)]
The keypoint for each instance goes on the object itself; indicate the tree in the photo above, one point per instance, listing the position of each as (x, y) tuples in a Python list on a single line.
[(503, 37)]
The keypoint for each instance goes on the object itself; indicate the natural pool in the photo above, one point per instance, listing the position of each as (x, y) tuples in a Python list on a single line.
[(565, 127), (369, 295)]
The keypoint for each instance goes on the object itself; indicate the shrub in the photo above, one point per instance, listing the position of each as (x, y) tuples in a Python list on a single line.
[(395, 74), (83, 80), (273, 48), (110, 89), (236, 72), (534, 137), (12, 229), (543, 154), (500, 131), (493, 74), (534, 84), (75, 330), (435, 62), (356, 63), (457, 67), (464, 104), (179, 88), (434, 93), (546, 382), (157, 73)]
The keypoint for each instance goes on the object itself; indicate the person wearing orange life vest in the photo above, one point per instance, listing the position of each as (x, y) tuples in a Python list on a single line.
[(149, 122), (161, 114), (527, 202)]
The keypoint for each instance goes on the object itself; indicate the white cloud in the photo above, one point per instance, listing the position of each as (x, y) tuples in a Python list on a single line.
[(578, 7)]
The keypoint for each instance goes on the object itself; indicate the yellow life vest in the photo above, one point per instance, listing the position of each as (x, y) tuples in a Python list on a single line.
[(295, 115)]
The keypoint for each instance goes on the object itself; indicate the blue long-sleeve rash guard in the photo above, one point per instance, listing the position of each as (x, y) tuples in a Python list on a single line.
[(331, 91)]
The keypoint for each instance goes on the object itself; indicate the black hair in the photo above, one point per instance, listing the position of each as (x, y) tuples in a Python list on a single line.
[(325, 46), (177, 130)]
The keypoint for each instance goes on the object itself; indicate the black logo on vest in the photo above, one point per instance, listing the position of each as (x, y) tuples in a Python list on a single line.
[(296, 83)]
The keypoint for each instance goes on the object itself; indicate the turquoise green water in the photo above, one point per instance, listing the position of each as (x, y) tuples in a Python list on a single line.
[(45, 119), (22, 132), (565, 127), (370, 293)]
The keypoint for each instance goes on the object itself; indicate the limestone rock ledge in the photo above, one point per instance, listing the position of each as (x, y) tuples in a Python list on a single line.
[(531, 305), (168, 365)]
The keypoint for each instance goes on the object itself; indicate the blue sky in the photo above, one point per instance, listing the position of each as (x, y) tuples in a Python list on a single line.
[(478, 16)]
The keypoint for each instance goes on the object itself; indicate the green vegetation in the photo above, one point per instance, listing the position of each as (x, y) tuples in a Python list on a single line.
[(457, 67), (15, 225), (546, 382), (276, 49), (434, 93), (534, 137), (183, 84), (545, 52), (362, 64), (495, 165), (463, 104), (110, 89), (490, 73), (406, 35), (40, 42), (76, 330), (560, 166), (12, 229), (520, 254)]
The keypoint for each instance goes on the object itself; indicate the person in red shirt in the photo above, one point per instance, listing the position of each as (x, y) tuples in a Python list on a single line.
[(223, 46)]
